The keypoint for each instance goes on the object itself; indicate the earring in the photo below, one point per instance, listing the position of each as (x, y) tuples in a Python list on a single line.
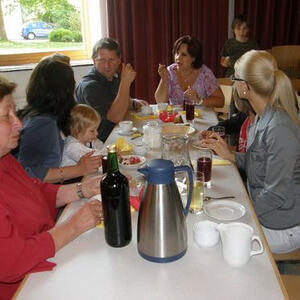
[(244, 92)]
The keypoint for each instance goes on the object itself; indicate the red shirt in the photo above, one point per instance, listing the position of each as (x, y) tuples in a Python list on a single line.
[(242, 146), (27, 211)]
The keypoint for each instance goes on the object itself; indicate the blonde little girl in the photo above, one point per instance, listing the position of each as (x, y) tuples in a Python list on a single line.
[(83, 139)]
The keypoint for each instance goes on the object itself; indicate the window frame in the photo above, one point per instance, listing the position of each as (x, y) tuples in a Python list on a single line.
[(34, 57)]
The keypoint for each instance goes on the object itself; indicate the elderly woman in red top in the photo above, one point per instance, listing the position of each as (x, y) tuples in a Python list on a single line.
[(28, 235)]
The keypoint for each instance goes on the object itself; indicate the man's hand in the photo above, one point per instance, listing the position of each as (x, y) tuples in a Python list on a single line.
[(128, 74)]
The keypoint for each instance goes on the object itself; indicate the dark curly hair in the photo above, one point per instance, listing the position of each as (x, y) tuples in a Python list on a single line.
[(194, 49), (51, 91)]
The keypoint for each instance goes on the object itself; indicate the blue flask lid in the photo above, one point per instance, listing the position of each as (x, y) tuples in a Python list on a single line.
[(159, 171)]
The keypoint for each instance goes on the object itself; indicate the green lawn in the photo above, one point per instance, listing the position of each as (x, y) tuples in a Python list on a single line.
[(26, 46)]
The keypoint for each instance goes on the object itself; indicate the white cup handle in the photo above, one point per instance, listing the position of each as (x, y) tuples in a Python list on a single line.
[(261, 250)]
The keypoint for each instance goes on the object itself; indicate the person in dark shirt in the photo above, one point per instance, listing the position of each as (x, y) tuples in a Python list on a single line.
[(236, 46), (106, 88)]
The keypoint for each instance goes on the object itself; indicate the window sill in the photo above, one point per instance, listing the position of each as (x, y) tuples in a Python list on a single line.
[(29, 67)]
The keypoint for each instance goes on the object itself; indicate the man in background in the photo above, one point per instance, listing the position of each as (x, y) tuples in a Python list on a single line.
[(107, 86)]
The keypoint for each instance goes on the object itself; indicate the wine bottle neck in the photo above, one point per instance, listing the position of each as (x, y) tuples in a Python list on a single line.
[(112, 163)]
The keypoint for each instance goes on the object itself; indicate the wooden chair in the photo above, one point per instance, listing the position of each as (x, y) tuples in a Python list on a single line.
[(290, 256), (291, 282), (288, 59), (226, 87), (292, 285)]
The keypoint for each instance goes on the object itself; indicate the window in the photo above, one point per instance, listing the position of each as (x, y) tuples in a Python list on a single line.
[(28, 41)]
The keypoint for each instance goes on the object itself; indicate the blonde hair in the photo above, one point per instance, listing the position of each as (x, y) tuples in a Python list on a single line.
[(259, 69), (82, 117)]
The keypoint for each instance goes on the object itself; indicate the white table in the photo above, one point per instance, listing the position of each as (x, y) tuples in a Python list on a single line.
[(88, 268)]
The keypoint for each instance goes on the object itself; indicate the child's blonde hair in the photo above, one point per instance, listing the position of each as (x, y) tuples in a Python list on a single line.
[(82, 117)]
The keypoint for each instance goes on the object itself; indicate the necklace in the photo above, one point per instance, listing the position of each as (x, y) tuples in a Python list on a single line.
[(187, 77)]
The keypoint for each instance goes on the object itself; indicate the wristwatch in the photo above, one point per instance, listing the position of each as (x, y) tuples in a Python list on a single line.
[(79, 190)]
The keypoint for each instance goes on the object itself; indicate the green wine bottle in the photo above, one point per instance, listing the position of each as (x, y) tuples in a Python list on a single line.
[(115, 202)]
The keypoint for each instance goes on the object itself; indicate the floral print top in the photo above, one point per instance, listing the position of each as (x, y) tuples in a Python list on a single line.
[(205, 84)]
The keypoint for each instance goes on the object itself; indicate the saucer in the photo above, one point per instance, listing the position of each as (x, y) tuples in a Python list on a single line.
[(224, 210), (127, 133)]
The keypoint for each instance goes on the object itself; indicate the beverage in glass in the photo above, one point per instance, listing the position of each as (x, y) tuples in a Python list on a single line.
[(204, 165), (190, 110), (189, 107), (198, 193)]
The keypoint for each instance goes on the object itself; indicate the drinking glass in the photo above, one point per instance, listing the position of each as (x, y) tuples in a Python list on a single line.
[(204, 165), (189, 104), (220, 130), (198, 193)]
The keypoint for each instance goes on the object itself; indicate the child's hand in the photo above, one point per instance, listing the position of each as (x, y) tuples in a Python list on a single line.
[(225, 61)]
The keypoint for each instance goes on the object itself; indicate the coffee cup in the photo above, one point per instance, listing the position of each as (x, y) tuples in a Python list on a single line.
[(237, 241), (146, 110), (205, 233), (126, 126)]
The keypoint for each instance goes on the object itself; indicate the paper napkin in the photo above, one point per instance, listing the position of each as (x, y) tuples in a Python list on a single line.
[(220, 162)]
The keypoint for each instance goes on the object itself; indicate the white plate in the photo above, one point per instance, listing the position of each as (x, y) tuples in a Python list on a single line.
[(127, 133), (142, 161), (224, 210)]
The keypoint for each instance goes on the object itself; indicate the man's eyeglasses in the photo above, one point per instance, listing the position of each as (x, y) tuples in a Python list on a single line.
[(233, 78)]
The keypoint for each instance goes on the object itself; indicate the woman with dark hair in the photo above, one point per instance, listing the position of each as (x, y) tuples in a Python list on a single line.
[(188, 75), (50, 98)]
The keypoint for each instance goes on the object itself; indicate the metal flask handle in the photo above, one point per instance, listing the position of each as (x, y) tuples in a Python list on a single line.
[(191, 185)]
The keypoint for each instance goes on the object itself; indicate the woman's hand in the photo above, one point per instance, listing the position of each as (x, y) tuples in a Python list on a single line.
[(89, 163), (219, 145), (192, 94), (163, 72), (204, 134), (87, 216), (91, 186)]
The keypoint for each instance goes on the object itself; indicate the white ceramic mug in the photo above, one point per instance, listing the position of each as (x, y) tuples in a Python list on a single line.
[(126, 126), (237, 239), (205, 233)]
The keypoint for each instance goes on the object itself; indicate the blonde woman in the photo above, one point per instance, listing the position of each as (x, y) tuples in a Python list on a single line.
[(85, 121), (272, 159)]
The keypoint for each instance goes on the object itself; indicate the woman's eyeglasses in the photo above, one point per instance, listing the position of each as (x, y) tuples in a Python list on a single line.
[(233, 78)]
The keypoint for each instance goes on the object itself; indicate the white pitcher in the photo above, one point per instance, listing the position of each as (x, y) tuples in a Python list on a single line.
[(237, 239)]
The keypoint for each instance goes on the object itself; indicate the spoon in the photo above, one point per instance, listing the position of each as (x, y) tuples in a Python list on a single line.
[(206, 198)]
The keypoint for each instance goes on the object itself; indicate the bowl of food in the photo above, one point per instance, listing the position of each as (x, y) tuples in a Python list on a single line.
[(132, 161)]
